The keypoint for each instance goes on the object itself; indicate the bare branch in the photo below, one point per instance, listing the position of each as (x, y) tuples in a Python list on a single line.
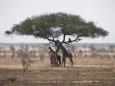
[(77, 39), (53, 38), (64, 37)]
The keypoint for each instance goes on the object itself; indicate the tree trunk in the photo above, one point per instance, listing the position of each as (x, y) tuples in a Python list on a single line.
[(54, 57), (53, 60)]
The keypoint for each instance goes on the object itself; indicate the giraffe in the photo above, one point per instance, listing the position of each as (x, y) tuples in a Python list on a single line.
[(66, 54), (55, 59)]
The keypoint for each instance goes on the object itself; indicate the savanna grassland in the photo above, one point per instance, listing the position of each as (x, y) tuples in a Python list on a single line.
[(84, 72)]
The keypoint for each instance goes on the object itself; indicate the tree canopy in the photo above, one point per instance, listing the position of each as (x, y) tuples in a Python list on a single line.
[(72, 28), (52, 26)]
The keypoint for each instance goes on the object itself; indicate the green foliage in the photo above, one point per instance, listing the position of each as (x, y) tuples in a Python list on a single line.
[(52, 26)]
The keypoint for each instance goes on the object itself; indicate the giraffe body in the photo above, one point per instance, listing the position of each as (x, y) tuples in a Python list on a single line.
[(66, 54)]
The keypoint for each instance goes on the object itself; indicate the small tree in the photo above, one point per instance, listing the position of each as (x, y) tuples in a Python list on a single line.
[(42, 56), (93, 50), (25, 56), (12, 51), (111, 48), (103, 52), (72, 28)]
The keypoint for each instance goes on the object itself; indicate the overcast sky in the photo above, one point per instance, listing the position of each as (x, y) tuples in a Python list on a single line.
[(102, 12)]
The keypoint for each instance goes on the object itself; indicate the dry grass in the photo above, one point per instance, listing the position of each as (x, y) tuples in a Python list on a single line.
[(85, 72)]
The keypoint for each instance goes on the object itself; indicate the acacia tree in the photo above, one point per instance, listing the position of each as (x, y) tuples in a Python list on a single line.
[(71, 28), (25, 56)]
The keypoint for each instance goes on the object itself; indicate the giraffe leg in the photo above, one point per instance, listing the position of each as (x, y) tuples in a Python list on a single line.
[(64, 61), (70, 57), (71, 60), (59, 59)]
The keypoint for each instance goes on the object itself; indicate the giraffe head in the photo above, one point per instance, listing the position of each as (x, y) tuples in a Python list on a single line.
[(49, 47)]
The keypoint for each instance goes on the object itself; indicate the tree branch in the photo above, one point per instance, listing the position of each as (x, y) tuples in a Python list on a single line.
[(77, 39), (64, 37), (51, 35)]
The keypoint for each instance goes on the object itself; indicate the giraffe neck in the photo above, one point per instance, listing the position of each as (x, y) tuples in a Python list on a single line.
[(64, 50), (51, 50)]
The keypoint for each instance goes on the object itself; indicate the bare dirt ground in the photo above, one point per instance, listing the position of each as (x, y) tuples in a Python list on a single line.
[(85, 72)]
